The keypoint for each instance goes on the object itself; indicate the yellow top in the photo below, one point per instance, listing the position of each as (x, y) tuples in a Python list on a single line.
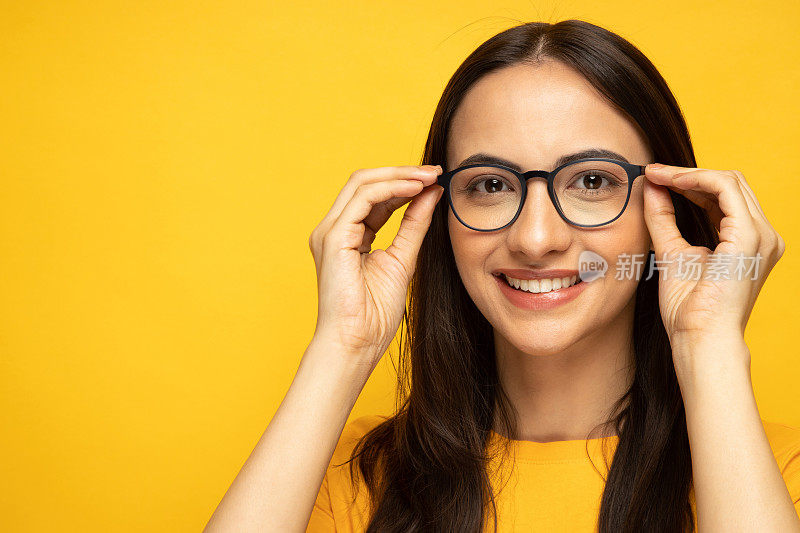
[(552, 485)]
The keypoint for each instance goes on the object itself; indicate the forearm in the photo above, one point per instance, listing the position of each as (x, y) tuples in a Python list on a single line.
[(278, 484), (737, 482)]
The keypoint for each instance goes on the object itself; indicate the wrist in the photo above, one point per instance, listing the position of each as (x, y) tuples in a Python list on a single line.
[(702, 342), (698, 359), (330, 351)]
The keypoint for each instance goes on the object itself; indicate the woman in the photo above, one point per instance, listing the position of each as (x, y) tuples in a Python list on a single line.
[(623, 403)]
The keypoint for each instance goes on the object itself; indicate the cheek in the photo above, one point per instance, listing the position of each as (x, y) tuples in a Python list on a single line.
[(462, 241), (626, 245), (636, 225), (628, 236), (470, 250)]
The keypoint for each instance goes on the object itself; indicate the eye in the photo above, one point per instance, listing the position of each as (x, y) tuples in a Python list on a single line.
[(490, 185), (594, 180)]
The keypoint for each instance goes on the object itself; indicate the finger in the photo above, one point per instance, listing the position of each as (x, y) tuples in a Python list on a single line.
[(749, 194), (710, 183), (662, 176), (348, 230), (755, 210), (377, 218), (752, 201), (659, 215), (706, 201), (769, 238), (413, 228), (380, 214), (738, 225), (425, 173)]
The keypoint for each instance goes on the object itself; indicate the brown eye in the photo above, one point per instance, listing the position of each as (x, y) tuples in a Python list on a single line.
[(593, 181), (490, 185)]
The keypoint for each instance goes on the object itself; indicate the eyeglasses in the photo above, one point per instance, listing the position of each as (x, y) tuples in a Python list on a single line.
[(586, 192)]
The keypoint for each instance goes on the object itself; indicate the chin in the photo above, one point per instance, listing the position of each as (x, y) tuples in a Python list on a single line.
[(540, 343)]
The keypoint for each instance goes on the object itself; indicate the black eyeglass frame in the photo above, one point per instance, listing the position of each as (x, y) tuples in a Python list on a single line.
[(633, 170)]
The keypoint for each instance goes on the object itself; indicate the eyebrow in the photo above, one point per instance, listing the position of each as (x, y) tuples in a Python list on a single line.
[(563, 160)]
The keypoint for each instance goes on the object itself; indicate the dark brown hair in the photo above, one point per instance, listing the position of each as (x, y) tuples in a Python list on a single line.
[(426, 466)]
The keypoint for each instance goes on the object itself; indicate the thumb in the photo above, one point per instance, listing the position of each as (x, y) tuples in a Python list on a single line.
[(415, 223), (659, 215)]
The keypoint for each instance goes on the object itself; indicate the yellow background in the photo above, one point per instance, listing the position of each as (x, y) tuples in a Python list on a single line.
[(163, 164)]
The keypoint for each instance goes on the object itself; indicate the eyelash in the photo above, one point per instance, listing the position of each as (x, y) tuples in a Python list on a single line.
[(611, 182)]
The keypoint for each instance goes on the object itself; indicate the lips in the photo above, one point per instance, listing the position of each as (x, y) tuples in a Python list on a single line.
[(522, 273), (540, 301), (542, 285)]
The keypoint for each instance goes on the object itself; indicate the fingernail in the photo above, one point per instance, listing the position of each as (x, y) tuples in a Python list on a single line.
[(655, 166)]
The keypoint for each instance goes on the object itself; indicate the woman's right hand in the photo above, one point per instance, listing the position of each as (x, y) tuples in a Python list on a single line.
[(362, 297), (362, 293)]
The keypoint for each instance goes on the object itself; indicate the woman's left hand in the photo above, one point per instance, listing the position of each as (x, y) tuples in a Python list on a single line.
[(715, 301)]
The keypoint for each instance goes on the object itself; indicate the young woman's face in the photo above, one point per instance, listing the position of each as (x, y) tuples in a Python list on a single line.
[(532, 116)]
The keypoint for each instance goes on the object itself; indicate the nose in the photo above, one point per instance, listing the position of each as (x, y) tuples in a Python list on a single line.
[(539, 229)]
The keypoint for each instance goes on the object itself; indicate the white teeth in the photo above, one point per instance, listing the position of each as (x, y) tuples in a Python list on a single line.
[(541, 285)]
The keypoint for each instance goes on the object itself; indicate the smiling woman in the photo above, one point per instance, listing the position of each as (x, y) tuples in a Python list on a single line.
[(514, 367)]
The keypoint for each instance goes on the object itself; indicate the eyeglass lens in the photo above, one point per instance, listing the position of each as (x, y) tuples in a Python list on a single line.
[(589, 193)]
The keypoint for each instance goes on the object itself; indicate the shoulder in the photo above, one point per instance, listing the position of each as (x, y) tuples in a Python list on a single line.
[(785, 443), (338, 506), (348, 497), (783, 439), (353, 431)]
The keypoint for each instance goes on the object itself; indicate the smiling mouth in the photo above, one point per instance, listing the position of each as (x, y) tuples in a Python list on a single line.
[(540, 286)]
